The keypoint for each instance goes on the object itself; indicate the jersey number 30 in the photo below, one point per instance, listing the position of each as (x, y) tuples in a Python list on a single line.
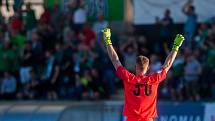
[(147, 90)]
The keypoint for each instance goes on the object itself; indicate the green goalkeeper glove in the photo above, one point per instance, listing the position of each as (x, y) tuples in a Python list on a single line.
[(107, 34), (177, 42)]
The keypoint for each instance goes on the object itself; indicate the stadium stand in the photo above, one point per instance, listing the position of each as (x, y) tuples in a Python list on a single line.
[(56, 58)]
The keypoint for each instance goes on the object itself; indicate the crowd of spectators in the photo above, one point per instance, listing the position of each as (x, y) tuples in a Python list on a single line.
[(191, 77), (61, 56), (55, 57)]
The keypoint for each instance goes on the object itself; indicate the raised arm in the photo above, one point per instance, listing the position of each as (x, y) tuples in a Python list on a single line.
[(186, 6), (111, 52), (171, 57)]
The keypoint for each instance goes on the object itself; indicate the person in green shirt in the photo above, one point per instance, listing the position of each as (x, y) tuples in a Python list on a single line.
[(18, 39), (6, 57), (210, 58), (209, 66), (30, 18), (16, 53), (50, 4)]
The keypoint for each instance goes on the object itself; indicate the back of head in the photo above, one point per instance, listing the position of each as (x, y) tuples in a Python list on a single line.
[(191, 9), (167, 12), (100, 17), (142, 62)]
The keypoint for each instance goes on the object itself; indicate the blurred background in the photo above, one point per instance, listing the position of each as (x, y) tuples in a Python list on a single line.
[(54, 66)]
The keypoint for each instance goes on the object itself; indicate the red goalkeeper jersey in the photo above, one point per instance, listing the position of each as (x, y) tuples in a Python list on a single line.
[(140, 92)]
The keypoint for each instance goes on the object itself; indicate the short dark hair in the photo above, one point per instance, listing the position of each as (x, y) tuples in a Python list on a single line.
[(192, 7), (142, 61)]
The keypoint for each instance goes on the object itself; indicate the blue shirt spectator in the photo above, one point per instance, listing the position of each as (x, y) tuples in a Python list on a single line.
[(191, 22), (8, 84)]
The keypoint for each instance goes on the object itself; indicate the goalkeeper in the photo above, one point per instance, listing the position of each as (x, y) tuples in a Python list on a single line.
[(140, 90)]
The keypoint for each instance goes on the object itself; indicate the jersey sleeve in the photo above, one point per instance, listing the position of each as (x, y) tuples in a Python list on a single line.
[(123, 73), (157, 77)]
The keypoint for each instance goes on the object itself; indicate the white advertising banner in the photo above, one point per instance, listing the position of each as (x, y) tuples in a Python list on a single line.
[(145, 11), (209, 112)]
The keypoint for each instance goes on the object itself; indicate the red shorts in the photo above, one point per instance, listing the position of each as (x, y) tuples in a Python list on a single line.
[(138, 119)]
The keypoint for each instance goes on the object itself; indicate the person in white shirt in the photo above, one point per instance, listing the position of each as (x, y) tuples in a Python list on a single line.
[(79, 18)]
